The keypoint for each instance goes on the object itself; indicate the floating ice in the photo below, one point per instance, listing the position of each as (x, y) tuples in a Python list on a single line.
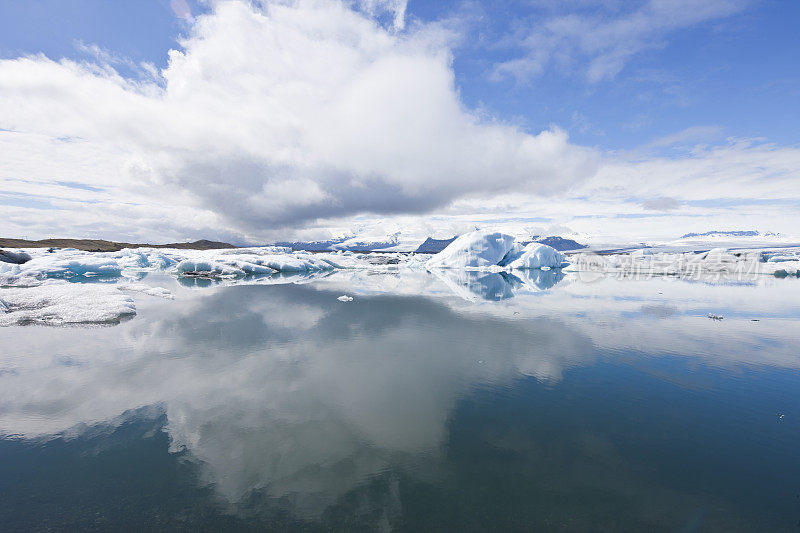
[(720, 255), (495, 251), (253, 261), (642, 252), (160, 292), (7, 256), (710, 265), (533, 255), (64, 303), (475, 249), (69, 264), (783, 258)]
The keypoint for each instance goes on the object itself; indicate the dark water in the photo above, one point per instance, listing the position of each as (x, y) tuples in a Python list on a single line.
[(605, 406)]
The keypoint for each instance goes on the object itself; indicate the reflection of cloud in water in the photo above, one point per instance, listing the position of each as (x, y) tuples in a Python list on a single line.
[(659, 310), (334, 406), (285, 389)]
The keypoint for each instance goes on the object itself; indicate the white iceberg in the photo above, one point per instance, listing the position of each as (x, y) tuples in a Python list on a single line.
[(252, 261), (225, 268), (642, 252), (533, 255), (783, 258), (69, 265), (234, 264), (495, 251), (477, 249), (719, 255)]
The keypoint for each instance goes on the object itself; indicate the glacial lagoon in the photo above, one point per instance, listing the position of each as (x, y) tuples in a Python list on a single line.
[(432, 401)]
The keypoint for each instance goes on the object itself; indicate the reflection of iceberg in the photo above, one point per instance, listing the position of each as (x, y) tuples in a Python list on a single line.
[(277, 278), (473, 285), (495, 286), (540, 279)]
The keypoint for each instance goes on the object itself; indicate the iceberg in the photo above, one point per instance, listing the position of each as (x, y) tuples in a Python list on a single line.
[(642, 252), (533, 255), (719, 255), (212, 269), (783, 258), (252, 262), (131, 264), (484, 250), (17, 258), (477, 249), (70, 265)]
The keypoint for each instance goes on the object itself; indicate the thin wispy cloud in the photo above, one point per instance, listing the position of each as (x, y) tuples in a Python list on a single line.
[(597, 39)]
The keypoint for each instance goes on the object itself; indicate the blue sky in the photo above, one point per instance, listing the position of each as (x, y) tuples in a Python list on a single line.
[(678, 112), (735, 75)]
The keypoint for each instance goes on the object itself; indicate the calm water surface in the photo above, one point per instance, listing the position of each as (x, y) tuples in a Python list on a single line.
[(430, 402)]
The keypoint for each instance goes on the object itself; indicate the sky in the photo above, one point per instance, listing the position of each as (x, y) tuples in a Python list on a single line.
[(259, 121)]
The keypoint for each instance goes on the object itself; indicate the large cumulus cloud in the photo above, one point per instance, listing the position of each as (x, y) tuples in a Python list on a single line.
[(276, 115)]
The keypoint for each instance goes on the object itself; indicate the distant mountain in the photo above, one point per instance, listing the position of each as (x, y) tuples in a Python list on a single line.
[(433, 246), (343, 243), (311, 246), (748, 233), (202, 244), (561, 244), (99, 245)]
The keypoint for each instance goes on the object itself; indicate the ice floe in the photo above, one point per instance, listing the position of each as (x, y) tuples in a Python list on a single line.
[(64, 303), (143, 288), (66, 285), (710, 264)]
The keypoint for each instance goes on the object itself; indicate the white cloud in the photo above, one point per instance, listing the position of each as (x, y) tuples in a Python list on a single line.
[(277, 116), (641, 195), (661, 203), (687, 136), (395, 8), (311, 119), (599, 41)]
